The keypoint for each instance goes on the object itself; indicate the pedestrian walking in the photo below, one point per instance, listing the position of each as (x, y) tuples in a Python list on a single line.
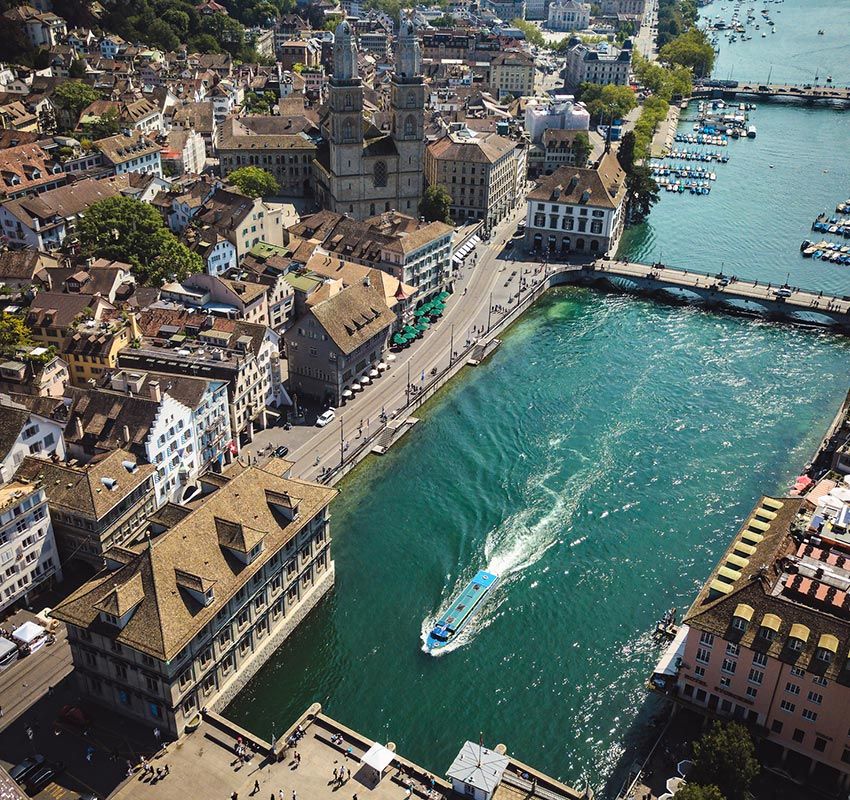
[(279, 794), (157, 734), (256, 787), (234, 796), (294, 795), (335, 775)]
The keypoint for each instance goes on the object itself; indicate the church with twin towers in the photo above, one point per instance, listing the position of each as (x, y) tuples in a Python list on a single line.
[(361, 170)]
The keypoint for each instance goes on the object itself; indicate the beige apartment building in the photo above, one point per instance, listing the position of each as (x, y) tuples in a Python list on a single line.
[(183, 620), (766, 641), (512, 73), (480, 171)]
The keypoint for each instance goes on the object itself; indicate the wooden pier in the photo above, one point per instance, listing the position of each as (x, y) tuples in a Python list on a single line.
[(718, 291), (780, 91)]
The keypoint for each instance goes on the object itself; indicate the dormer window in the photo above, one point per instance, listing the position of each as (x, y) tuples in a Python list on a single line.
[(742, 616), (798, 637), (110, 618), (769, 627), (827, 648)]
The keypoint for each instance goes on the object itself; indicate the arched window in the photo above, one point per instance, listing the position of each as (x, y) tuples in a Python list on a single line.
[(347, 130), (409, 125), (380, 173), (411, 100), (348, 101)]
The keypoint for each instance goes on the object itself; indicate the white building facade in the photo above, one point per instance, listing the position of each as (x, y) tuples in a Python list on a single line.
[(568, 16), (28, 555)]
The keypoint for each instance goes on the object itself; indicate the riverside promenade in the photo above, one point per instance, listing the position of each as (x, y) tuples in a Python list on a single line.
[(490, 296)]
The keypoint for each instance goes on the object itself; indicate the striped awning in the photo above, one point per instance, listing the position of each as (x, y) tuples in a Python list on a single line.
[(743, 611), (800, 632), (828, 642), (771, 622)]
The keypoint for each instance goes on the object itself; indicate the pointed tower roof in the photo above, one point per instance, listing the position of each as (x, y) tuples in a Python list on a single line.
[(408, 63), (345, 53)]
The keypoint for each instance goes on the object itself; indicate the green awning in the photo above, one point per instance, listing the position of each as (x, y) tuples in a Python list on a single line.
[(436, 312), (420, 311), (423, 326), (409, 330)]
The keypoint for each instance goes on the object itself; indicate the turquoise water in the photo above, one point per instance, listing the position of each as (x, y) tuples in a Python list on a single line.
[(757, 215), (600, 462), (795, 53)]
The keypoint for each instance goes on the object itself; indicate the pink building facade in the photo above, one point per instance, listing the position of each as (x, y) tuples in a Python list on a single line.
[(766, 642)]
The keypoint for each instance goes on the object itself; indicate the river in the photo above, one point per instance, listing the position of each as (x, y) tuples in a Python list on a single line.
[(600, 462)]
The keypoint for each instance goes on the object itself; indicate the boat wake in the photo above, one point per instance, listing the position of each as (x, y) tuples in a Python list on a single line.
[(515, 545)]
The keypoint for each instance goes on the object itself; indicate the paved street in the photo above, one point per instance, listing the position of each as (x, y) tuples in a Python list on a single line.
[(29, 678), (466, 317)]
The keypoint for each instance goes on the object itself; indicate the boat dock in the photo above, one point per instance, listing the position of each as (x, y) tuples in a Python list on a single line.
[(717, 291)]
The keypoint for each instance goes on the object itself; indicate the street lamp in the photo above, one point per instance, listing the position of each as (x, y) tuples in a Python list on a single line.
[(452, 345), (341, 440), (489, 312)]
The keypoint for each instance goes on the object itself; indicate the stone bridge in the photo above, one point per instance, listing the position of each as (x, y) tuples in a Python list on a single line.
[(721, 292)]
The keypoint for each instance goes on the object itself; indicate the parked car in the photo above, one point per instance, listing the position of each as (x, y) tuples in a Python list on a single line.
[(783, 293), (20, 772), (281, 451), (74, 715), (325, 418), (42, 776)]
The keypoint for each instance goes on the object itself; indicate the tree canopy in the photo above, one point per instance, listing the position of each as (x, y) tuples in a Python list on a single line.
[(605, 101), (663, 82), (696, 791), (641, 188), (126, 229), (254, 181), (532, 33), (14, 335), (435, 204), (690, 49), (675, 17), (74, 96), (725, 757)]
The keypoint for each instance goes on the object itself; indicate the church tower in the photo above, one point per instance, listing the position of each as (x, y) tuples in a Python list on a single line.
[(407, 107), (345, 101)]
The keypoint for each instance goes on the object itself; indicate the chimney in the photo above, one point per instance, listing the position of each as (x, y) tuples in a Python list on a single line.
[(78, 428), (125, 433), (153, 387), (367, 281)]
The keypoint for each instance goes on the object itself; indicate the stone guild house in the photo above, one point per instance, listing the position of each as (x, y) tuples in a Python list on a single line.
[(183, 620), (577, 211), (337, 341)]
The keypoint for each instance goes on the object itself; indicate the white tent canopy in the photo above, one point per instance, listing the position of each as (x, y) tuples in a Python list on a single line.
[(28, 632), (378, 758)]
